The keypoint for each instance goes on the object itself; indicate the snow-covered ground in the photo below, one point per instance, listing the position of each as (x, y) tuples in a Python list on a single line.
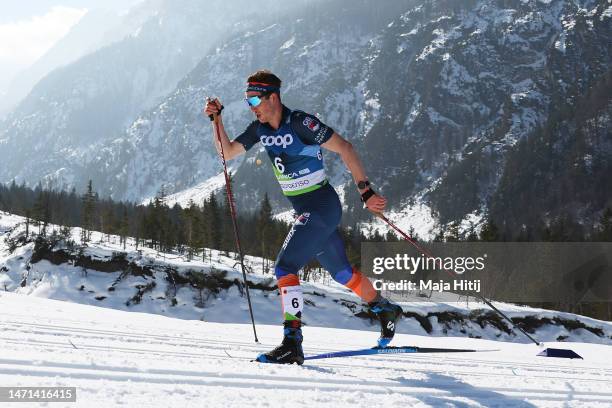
[(68, 325), (118, 358)]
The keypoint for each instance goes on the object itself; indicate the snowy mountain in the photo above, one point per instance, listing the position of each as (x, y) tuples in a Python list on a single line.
[(98, 28), (84, 37), (459, 110), (76, 109), (440, 100), (310, 54)]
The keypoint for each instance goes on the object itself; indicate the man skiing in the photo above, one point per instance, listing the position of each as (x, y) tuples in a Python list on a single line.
[(293, 141)]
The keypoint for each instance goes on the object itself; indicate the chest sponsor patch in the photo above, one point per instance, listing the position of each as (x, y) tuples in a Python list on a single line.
[(279, 140)]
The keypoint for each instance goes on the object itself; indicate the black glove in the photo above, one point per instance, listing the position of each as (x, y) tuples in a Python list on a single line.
[(365, 196), (218, 113)]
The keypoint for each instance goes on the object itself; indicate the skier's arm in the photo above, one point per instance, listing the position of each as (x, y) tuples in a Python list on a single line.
[(231, 149), (350, 158)]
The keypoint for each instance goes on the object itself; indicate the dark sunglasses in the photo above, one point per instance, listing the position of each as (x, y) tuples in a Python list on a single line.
[(255, 101)]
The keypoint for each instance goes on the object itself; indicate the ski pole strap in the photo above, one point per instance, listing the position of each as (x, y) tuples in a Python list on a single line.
[(365, 196)]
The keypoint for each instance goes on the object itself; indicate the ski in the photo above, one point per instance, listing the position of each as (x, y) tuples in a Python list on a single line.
[(389, 350)]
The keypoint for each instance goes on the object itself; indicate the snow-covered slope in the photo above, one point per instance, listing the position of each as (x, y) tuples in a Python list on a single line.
[(210, 289), (199, 193)]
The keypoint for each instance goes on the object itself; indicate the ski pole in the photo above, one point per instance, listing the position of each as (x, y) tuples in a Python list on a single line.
[(230, 200), (453, 273)]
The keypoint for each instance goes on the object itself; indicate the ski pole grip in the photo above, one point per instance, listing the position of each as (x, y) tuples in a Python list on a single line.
[(212, 117)]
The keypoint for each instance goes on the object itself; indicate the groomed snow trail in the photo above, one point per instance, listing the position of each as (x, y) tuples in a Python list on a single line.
[(118, 358)]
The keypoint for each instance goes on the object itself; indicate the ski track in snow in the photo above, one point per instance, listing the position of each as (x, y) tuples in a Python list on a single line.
[(117, 358)]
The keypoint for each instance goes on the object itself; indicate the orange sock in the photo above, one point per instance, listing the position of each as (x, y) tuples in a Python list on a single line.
[(288, 280), (362, 286)]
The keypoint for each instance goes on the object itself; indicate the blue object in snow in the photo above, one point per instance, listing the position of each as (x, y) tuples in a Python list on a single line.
[(561, 353)]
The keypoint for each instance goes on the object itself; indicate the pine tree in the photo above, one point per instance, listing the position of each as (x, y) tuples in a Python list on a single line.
[(42, 211), (227, 229), (472, 236), (88, 201), (452, 234), (213, 219), (605, 229), (490, 232), (190, 222), (107, 221), (28, 221), (157, 222), (123, 227)]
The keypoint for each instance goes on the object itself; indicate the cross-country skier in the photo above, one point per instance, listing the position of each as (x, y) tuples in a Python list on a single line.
[(293, 141)]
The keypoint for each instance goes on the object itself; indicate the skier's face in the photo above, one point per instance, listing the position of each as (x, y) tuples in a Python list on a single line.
[(264, 110)]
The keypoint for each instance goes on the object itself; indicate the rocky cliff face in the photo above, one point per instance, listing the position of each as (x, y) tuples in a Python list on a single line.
[(461, 87)]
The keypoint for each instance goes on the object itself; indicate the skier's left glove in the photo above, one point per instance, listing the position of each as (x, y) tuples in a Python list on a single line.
[(372, 201)]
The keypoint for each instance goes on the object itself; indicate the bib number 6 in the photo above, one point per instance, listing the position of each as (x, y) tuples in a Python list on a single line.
[(279, 164)]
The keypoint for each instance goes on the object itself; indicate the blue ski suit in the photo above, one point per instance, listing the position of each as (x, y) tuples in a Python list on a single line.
[(295, 152)]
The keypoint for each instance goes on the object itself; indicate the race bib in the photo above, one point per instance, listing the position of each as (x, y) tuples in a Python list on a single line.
[(293, 300)]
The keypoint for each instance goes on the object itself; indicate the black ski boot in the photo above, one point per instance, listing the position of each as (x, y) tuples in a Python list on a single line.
[(388, 314), (290, 351)]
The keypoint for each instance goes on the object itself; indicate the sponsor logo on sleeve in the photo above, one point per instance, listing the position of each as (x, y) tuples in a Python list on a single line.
[(302, 219), (311, 123)]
